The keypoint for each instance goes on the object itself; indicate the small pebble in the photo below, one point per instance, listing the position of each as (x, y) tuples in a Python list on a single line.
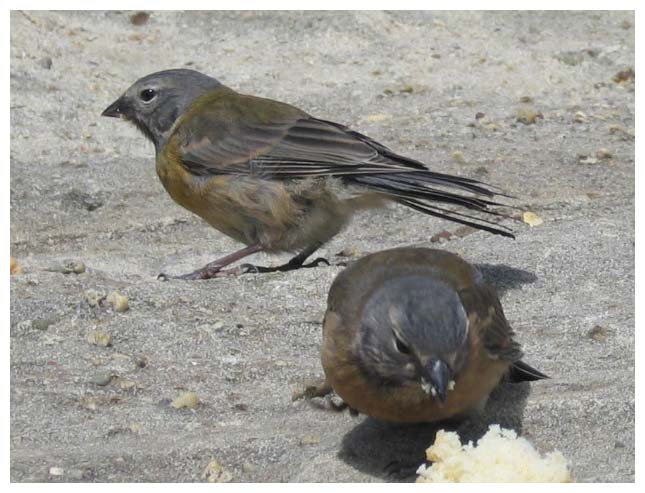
[(463, 231), (215, 473), (598, 333), (604, 153), (46, 63), (585, 159), (624, 76), (56, 472), (42, 323), (459, 157), (102, 378), (248, 467), (83, 200), (348, 251), (76, 267), (377, 118), (310, 440), (125, 384), (528, 115), (441, 237), (76, 475), (68, 267), (89, 402), (571, 57), (187, 399), (99, 338), (120, 357), (139, 18), (94, 297), (526, 99), (579, 117), (118, 301), (482, 170)]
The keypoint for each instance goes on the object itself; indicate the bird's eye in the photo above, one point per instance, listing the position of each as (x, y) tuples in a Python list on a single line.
[(147, 95), (400, 346)]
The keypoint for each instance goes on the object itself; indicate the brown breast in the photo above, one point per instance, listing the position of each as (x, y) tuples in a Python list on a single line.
[(403, 403)]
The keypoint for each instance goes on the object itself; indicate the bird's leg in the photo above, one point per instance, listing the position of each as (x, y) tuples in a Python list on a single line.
[(297, 262), (214, 269)]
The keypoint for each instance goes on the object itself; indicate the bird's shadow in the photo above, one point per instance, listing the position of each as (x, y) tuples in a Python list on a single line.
[(374, 446), (505, 278)]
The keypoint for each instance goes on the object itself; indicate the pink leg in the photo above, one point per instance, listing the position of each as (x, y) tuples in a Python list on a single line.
[(213, 269)]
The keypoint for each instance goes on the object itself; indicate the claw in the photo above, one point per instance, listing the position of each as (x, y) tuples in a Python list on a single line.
[(249, 269), (317, 262)]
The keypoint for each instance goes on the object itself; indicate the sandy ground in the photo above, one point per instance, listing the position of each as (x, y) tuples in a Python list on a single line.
[(83, 188)]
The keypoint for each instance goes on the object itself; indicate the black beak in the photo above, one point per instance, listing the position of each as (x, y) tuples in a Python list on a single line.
[(438, 376), (115, 110)]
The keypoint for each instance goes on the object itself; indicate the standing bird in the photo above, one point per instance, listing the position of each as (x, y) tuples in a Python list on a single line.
[(416, 335), (271, 176)]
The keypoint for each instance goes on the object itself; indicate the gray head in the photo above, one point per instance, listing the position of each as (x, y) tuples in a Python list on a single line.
[(155, 101), (414, 331)]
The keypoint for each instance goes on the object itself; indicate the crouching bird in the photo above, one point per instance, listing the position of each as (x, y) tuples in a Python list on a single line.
[(416, 335), (274, 178)]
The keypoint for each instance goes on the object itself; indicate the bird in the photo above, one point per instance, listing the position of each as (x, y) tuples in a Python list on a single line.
[(415, 335), (275, 178)]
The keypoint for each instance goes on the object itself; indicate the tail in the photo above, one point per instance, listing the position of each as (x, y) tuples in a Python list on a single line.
[(521, 372), (418, 189)]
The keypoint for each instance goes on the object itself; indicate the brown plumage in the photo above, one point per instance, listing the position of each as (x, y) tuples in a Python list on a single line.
[(402, 324), (275, 178)]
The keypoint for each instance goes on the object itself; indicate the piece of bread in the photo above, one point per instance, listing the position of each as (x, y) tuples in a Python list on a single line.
[(14, 267), (500, 456)]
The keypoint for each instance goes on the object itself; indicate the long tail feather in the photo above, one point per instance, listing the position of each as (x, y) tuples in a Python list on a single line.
[(413, 190)]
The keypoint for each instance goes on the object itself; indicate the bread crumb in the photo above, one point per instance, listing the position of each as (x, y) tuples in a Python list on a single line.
[(216, 473), (459, 157), (499, 456), (187, 399), (531, 218), (118, 301), (14, 267)]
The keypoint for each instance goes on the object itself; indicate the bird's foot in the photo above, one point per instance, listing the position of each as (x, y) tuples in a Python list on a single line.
[(216, 267), (208, 272), (259, 269)]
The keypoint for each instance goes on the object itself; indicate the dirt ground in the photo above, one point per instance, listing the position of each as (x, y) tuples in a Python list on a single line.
[(540, 104)]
